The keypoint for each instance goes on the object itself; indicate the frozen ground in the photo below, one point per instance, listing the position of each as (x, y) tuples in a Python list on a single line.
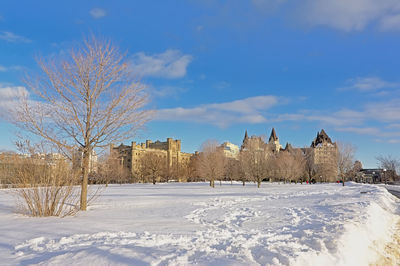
[(181, 224)]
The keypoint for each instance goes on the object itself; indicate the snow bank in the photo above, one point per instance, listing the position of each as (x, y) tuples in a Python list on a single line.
[(360, 242), (181, 224)]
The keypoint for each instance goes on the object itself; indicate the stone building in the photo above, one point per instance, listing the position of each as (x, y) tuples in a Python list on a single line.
[(323, 152), (273, 142), (257, 143), (77, 160), (324, 155), (129, 156), (230, 150)]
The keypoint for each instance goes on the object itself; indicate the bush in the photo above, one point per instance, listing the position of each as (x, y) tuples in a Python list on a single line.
[(46, 188)]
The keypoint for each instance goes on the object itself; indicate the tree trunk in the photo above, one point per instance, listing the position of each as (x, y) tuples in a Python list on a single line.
[(85, 174), (244, 183), (258, 183)]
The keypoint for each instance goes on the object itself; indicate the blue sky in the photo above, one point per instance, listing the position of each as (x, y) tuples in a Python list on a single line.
[(217, 68)]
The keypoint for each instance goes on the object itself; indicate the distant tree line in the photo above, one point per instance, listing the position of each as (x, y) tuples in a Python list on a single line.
[(252, 165)]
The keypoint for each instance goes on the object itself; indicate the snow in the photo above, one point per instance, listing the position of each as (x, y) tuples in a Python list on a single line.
[(181, 224), (392, 187)]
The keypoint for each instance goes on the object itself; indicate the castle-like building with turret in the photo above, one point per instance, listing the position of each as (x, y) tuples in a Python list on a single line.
[(322, 153)]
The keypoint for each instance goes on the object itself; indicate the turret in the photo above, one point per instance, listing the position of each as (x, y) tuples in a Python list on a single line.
[(273, 136), (245, 141), (274, 141), (321, 138)]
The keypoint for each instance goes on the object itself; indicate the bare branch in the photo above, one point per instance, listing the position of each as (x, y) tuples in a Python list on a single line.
[(86, 99)]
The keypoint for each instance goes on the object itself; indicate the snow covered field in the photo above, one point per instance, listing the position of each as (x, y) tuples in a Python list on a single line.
[(181, 224)]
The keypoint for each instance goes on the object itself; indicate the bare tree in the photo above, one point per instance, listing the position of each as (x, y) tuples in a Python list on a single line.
[(309, 163), (345, 159), (85, 100), (193, 173), (299, 165), (211, 162), (291, 165), (354, 171), (233, 170), (111, 171), (153, 167), (255, 163), (389, 163)]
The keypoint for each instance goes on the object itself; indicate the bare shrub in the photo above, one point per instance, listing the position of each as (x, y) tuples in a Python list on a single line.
[(46, 189)]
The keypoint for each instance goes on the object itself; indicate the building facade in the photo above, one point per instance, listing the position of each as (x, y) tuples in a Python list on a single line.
[(77, 160), (324, 155), (321, 155), (130, 156), (230, 150), (257, 143)]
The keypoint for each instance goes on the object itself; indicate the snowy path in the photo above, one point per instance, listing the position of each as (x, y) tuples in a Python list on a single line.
[(183, 224)]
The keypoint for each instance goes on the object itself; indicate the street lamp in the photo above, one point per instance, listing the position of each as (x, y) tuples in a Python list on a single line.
[(384, 175)]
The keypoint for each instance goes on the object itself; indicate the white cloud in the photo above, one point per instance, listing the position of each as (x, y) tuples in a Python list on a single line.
[(342, 117), (167, 91), (344, 15), (382, 112), (248, 110), (361, 130), (368, 84), (380, 119), (170, 64), (391, 22), (11, 37), (392, 137), (5, 69), (14, 92), (388, 111), (348, 15), (97, 13), (10, 96)]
